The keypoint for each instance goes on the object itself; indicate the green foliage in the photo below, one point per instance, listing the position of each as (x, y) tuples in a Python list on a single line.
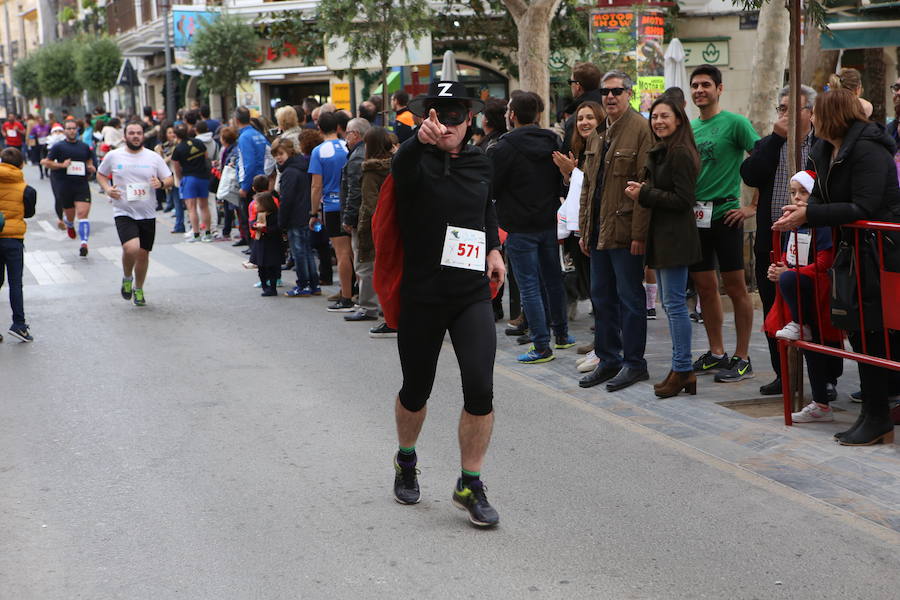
[(25, 76), (226, 51), (374, 27), (56, 70), (97, 64), (291, 35)]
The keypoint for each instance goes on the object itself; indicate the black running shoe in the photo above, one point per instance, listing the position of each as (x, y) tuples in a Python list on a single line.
[(21, 333), (127, 289), (651, 314), (708, 363), (471, 498), (739, 369), (406, 484), (83, 251), (341, 305)]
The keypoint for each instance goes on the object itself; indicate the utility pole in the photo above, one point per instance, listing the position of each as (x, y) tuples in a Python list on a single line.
[(170, 78), (9, 60)]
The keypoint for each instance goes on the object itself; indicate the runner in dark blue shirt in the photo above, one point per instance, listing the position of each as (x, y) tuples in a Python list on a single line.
[(71, 161)]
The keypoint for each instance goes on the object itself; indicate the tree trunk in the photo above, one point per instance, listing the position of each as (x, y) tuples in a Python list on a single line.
[(384, 92), (874, 82), (767, 75), (818, 64), (533, 25)]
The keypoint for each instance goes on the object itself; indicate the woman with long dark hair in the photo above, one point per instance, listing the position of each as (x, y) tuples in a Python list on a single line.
[(673, 243), (856, 180)]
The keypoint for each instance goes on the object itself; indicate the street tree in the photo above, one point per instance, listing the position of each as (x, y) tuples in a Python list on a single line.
[(374, 28), (225, 50), (532, 20), (97, 64), (56, 70), (25, 77)]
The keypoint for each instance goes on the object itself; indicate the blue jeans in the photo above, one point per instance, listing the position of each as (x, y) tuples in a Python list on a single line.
[(304, 260), (174, 201), (673, 283), (535, 260), (12, 262), (620, 307)]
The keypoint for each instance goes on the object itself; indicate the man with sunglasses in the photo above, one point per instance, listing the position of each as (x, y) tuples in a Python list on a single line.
[(723, 138), (614, 233), (450, 241), (767, 170)]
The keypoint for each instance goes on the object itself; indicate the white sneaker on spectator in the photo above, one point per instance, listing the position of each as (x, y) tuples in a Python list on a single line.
[(791, 331), (587, 356), (589, 365), (813, 413)]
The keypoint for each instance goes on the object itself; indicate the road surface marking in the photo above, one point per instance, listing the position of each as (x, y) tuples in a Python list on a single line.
[(215, 257)]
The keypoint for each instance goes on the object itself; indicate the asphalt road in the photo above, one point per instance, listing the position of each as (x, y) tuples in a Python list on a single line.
[(216, 445)]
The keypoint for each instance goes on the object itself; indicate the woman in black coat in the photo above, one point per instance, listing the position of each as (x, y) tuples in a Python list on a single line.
[(672, 240), (856, 180)]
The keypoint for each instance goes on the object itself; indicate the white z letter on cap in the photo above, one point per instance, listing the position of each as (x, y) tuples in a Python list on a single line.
[(445, 89)]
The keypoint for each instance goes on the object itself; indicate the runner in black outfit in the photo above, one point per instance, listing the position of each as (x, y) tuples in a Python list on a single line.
[(442, 188), (71, 162)]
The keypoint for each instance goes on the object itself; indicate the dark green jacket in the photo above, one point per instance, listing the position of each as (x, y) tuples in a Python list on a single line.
[(670, 177)]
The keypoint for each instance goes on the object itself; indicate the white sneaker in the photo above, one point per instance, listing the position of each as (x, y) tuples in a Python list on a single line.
[(581, 359), (791, 331), (813, 413), (589, 365)]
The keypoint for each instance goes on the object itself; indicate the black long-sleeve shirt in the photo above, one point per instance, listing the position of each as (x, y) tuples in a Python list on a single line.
[(433, 190)]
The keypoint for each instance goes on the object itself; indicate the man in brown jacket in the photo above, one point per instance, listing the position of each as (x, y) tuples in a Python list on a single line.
[(614, 233)]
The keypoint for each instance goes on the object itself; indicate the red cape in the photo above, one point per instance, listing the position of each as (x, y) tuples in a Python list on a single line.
[(389, 254)]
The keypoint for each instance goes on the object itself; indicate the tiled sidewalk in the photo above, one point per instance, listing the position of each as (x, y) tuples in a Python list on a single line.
[(864, 481)]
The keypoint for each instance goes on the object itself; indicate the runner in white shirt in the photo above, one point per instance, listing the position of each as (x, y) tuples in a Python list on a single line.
[(129, 176)]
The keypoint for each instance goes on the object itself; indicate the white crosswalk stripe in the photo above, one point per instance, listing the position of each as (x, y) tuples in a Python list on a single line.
[(216, 257), (114, 255), (49, 268)]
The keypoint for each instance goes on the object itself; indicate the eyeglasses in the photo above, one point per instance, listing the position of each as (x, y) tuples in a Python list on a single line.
[(783, 109), (571, 81), (895, 87), (613, 91)]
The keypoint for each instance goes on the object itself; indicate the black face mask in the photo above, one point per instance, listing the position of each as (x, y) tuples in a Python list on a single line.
[(451, 113)]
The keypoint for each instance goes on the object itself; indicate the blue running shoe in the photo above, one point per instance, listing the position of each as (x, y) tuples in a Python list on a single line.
[(534, 356)]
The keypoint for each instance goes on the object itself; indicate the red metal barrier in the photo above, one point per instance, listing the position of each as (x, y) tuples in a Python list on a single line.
[(890, 310)]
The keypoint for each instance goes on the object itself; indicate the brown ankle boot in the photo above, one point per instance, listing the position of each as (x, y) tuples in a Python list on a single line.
[(677, 381), (664, 382)]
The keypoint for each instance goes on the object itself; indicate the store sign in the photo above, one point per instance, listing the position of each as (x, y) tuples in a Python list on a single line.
[(714, 52), (186, 24), (340, 95)]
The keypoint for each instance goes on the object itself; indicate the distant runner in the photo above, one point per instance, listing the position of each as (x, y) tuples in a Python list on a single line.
[(71, 161)]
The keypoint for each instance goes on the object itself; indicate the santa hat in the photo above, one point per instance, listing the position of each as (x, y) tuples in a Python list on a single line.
[(57, 128), (806, 178)]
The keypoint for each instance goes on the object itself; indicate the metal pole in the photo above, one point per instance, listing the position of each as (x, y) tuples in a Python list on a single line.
[(795, 8), (9, 60), (170, 79)]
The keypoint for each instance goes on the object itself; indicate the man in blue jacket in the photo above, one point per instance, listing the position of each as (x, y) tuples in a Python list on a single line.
[(252, 148)]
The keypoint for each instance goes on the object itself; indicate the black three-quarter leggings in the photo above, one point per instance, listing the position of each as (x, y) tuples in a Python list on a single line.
[(419, 339)]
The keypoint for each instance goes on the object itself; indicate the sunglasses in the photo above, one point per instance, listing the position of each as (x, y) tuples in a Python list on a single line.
[(895, 87), (571, 81), (613, 91), (452, 115)]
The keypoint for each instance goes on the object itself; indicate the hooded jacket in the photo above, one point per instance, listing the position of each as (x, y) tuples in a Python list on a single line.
[(861, 183), (293, 193), (433, 191), (17, 201), (526, 182), (374, 172)]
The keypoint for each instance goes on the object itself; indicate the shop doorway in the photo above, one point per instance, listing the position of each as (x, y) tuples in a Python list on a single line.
[(289, 94)]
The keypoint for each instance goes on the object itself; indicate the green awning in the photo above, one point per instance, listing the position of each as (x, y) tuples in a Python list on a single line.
[(860, 31), (393, 83)]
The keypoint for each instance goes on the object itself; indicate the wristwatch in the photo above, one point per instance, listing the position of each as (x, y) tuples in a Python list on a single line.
[(313, 214)]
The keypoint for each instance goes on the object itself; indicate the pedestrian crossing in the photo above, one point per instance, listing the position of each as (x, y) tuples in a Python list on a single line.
[(64, 267)]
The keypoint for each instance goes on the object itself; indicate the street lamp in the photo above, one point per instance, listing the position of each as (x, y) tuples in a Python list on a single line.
[(170, 79)]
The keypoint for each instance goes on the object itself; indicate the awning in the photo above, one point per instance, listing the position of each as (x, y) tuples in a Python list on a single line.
[(860, 32), (393, 83), (282, 73)]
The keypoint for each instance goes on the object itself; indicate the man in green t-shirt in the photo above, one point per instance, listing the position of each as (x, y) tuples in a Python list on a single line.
[(723, 139)]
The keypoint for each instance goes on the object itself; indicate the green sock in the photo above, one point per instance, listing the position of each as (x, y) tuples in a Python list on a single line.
[(470, 476), (407, 455)]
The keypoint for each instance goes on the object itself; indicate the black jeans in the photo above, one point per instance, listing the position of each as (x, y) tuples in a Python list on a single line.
[(761, 250), (876, 383)]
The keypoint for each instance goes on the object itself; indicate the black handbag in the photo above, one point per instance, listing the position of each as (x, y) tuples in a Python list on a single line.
[(845, 294)]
